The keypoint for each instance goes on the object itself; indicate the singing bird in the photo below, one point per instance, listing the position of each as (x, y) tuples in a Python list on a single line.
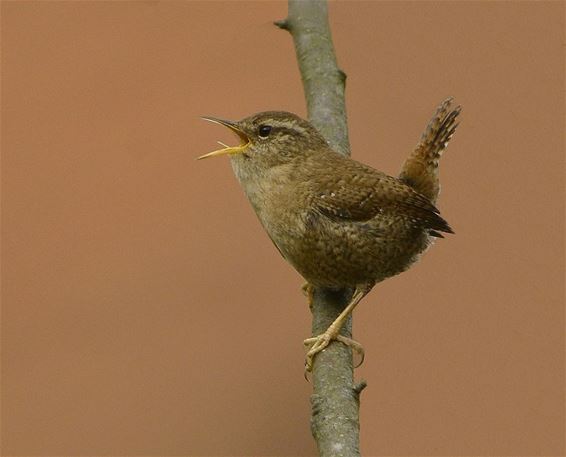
[(338, 222)]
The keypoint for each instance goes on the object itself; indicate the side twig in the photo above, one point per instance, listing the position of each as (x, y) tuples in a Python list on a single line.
[(335, 399)]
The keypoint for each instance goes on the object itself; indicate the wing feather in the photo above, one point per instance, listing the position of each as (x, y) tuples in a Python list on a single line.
[(369, 194)]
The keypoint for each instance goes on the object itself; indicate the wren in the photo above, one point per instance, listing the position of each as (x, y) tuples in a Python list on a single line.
[(338, 222)]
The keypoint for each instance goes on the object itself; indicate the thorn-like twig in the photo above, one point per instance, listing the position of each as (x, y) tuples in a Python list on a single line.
[(283, 24), (358, 387)]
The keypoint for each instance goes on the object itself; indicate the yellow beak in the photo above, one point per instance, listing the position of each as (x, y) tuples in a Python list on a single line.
[(244, 140)]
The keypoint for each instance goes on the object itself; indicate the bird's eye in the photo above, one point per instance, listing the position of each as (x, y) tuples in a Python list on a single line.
[(264, 131)]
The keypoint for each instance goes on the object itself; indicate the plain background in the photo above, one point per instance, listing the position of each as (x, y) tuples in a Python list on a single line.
[(145, 312)]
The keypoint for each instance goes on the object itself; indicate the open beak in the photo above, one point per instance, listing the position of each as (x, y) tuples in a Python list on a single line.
[(244, 140)]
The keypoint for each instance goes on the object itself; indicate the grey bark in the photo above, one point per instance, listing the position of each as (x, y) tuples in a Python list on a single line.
[(335, 399)]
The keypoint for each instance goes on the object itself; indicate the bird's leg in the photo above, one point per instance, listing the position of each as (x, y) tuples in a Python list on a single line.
[(308, 291), (318, 343)]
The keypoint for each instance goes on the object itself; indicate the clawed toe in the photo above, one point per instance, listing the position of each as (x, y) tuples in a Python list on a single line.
[(320, 342), (356, 347)]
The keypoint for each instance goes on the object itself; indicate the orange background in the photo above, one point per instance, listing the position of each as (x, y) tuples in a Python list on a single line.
[(146, 312)]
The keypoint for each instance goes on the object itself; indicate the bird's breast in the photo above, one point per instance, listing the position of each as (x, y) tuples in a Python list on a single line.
[(273, 196)]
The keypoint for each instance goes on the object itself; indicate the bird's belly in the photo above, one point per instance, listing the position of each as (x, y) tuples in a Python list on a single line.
[(348, 254)]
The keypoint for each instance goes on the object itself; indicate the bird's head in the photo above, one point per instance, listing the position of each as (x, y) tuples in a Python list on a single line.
[(270, 138)]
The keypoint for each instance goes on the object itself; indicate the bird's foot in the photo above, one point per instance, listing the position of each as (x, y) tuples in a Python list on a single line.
[(319, 343)]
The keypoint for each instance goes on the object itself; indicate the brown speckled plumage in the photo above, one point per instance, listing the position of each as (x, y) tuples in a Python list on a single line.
[(340, 223)]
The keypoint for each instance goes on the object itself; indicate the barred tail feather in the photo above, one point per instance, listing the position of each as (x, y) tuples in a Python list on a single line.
[(420, 170)]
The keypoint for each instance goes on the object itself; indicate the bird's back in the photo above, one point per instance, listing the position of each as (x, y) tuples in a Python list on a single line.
[(354, 226)]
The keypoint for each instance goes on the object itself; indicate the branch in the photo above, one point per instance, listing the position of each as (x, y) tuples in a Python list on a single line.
[(335, 400), (323, 81)]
